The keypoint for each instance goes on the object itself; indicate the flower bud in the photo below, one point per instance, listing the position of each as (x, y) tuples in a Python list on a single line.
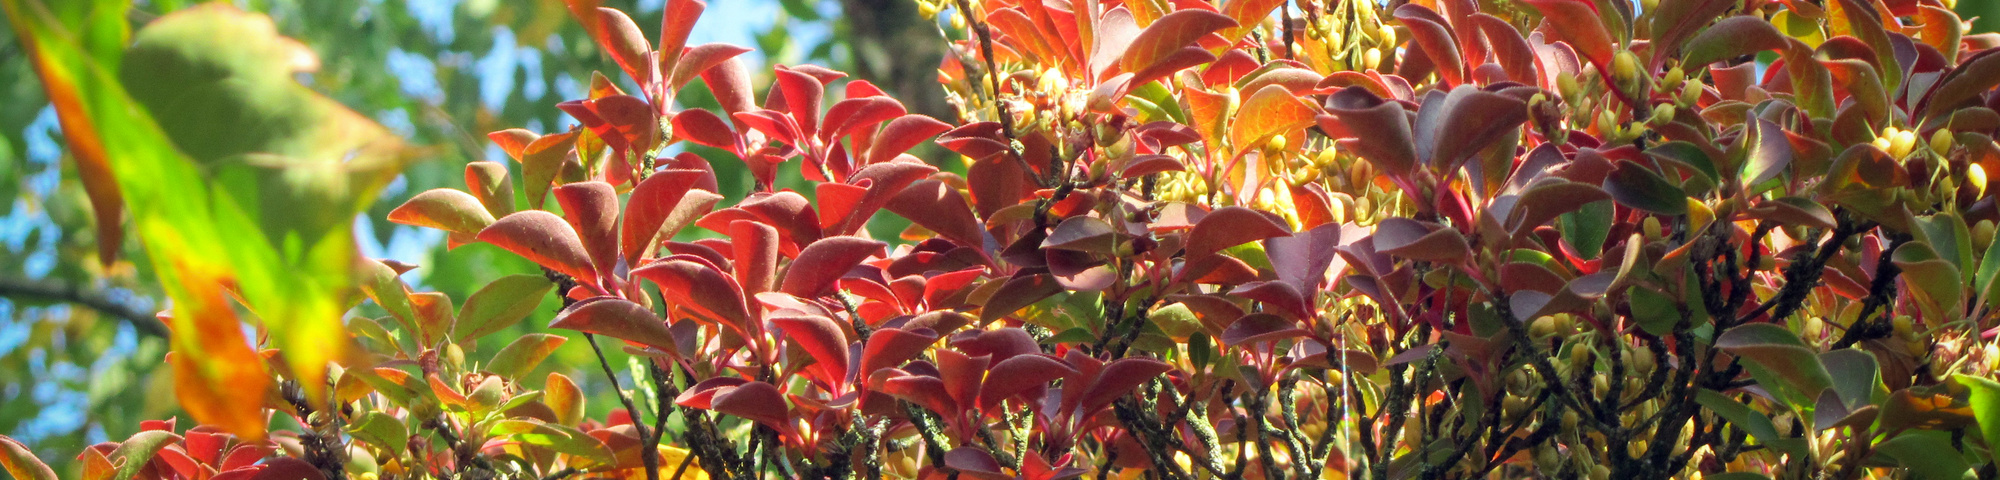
[(1625, 68), (1902, 143), (1975, 177), (1662, 115), (1372, 59), (1652, 228), (1982, 235), (1566, 86), (1691, 94), (1941, 142)]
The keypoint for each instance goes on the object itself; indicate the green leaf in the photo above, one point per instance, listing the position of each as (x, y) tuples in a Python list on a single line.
[(381, 430), (1937, 285), (1985, 403), (1586, 228), (1927, 453), (1780, 362), (521, 357), (1767, 154), (1175, 320), (1653, 311), (499, 304), (560, 438), (133, 454), (21, 463), (1856, 377), (1639, 187), (1757, 424)]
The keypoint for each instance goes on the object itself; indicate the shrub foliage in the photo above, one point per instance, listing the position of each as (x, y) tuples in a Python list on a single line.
[(1177, 239)]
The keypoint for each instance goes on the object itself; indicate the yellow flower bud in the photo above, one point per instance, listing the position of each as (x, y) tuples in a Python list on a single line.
[(1387, 35), (1372, 59), (1982, 234), (1691, 93), (1652, 228), (1975, 176), (1276, 143), (1941, 142), (1662, 114), (1901, 143), (1674, 78), (1624, 66)]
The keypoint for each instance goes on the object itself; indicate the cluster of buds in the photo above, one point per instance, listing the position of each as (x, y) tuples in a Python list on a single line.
[(1353, 37)]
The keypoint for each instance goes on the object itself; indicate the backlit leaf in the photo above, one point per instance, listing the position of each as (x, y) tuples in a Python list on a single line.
[(499, 304), (522, 355), (617, 318)]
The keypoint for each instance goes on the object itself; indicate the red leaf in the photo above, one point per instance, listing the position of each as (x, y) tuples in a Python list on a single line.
[(1510, 50), (1412, 239), (1259, 328), (1248, 14), (702, 395), (818, 265), (889, 347), (1110, 38), (756, 256), (902, 134), (625, 123), (443, 209), (923, 390), (1119, 378), (803, 94), (757, 401), (1231, 226), (1278, 297), (622, 38), (1463, 122), (653, 203), (963, 375), (941, 209), (618, 318), (1385, 126), (488, 181), (1436, 39), (777, 124), (1732, 37), (1675, 22), (1545, 200), (703, 127), (1019, 291), (514, 141), (1273, 110), (676, 21), (729, 81), (1577, 22), (543, 238), (884, 181), (1168, 35), (1017, 375), (824, 340), (698, 59), (1303, 258), (975, 463), (700, 289), (1167, 64), (592, 208), (852, 114), (540, 163)]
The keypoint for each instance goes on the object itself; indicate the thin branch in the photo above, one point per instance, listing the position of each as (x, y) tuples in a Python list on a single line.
[(25, 289)]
